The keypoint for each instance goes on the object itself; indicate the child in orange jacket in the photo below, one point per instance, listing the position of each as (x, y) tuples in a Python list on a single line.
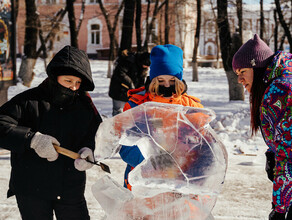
[(164, 85)]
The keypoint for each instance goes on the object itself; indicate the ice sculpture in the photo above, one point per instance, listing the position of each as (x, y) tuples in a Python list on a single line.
[(184, 167)]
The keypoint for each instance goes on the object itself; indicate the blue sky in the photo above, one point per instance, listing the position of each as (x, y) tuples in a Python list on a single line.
[(257, 1)]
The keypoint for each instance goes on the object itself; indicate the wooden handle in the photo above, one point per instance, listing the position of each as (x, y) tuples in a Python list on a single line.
[(66, 152), (74, 155), (127, 87)]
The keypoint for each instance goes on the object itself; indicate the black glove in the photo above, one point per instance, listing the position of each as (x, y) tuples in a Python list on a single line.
[(270, 164), (276, 215)]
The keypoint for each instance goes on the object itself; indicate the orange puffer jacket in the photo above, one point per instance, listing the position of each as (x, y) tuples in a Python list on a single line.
[(139, 96)]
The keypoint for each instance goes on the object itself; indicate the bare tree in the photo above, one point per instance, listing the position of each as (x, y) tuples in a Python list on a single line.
[(262, 19), (43, 45), (283, 23), (81, 15), (150, 25), (30, 42), (196, 43), (127, 29), (16, 8), (235, 89), (34, 31), (166, 23), (213, 8), (275, 31), (138, 25), (239, 16), (236, 38), (47, 43), (72, 23), (111, 27)]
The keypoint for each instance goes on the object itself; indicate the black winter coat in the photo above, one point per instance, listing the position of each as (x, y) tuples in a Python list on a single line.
[(73, 125), (128, 74)]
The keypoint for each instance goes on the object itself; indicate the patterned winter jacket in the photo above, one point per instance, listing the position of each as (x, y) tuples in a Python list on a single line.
[(131, 154), (276, 123)]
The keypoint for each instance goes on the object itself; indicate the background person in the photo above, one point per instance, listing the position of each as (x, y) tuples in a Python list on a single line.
[(129, 73), (268, 79), (59, 111)]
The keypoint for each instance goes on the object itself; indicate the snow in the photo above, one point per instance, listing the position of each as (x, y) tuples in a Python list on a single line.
[(246, 193)]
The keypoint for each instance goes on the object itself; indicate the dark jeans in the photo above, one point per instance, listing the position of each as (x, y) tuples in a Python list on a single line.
[(118, 106), (34, 208)]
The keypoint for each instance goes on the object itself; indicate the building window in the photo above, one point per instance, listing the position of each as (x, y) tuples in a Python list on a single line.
[(92, 1), (246, 26), (153, 32), (210, 27), (146, 1), (95, 34), (153, 36), (209, 50), (50, 2)]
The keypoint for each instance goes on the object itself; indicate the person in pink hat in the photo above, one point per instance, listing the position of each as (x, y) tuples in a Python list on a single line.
[(267, 76)]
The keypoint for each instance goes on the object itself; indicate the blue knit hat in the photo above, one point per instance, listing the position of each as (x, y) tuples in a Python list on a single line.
[(166, 60)]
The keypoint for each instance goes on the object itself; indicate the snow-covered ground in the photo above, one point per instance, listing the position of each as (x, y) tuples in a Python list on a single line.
[(246, 193)]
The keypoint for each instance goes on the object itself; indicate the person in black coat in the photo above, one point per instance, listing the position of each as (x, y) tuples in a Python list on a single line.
[(59, 111), (129, 73)]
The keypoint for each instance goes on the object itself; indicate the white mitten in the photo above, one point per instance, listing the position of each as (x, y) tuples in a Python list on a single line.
[(43, 146), (85, 154)]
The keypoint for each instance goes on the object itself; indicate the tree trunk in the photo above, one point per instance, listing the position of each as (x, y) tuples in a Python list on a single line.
[(166, 35), (262, 20), (111, 54), (275, 31), (149, 26), (217, 35), (282, 42), (138, 25), (239, 16), (72, 23), (16, 8), (30, 43), (31, 29), (196, 43), (111, 31), (81, 16), (26, 70), (127, 30), (55, 24), (43, 45), (235, 89), (283, 23), (4, 91)]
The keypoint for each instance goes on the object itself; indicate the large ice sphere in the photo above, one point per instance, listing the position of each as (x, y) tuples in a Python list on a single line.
[(184, 166)]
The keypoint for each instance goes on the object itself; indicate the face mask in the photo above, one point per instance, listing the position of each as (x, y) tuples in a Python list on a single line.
[(166, 91), (66, 96), (63, 96)]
